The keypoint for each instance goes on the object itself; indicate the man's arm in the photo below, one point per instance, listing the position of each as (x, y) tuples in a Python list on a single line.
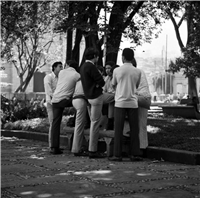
[(114, 80), (97, 76), (48, 88)]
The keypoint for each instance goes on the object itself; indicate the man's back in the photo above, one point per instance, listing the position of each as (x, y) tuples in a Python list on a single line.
[(92, 80), (66, 84), (126, 78)]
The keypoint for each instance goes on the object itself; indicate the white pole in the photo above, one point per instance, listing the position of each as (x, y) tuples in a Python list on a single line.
[(105, 37), (162, 80), (166, 67)]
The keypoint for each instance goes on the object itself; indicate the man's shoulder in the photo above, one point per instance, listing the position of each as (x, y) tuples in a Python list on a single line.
[(48, 76), (87, 66), (138, 70)]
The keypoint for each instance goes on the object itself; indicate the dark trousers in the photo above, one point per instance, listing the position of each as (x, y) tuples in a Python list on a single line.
[(119, 115), (58, 109)]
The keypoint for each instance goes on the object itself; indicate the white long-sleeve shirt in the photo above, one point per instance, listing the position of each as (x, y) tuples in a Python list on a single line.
[(50, 82)]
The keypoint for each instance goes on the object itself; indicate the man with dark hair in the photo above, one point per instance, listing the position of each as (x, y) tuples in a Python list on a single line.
[(50, 82), (62, 98), (92, 82), (126, 80)]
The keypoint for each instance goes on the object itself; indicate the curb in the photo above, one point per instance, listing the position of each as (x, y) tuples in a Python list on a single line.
[(171, 155), (174, 155)]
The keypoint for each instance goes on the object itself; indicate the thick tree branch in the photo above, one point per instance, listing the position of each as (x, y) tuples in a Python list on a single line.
[(132, 14), (176, 28), (181, 20)]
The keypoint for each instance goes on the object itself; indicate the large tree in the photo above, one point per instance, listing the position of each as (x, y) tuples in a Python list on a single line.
[(26, 31), (189, 63), (135, 20)]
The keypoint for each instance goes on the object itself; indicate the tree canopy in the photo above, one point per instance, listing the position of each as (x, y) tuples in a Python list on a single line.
[(189, 62), (140, 21), (25, 29), (25, 26)]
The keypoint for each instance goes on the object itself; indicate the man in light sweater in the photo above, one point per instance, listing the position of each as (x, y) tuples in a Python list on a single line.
[(126, 79), (62, 98)]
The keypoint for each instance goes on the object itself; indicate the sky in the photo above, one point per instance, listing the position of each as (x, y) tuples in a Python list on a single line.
[(155, 48)]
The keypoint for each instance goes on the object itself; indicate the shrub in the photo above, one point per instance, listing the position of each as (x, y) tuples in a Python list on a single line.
[(13, 110)]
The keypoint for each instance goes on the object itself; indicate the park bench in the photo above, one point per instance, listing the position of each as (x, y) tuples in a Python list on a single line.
[(106, 136), (183, 110)]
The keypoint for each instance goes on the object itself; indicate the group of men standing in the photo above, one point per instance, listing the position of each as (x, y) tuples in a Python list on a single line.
[(82, 87)]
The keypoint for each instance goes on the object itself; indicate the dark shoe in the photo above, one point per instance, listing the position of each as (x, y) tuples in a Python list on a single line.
[(136, 158), (96, 155), (83, 153), (56, 151), (115, 159)]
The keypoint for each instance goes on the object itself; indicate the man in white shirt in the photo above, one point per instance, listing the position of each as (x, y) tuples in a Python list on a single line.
[(126, 80), (50, 82), (62, 98)]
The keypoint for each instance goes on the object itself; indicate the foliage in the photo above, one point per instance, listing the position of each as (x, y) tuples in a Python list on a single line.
[(139, 21), (4, 109), (18, 110), (189, 64), (13, 110), (26, 36), (190, 61), (10, 16), (188, 11)]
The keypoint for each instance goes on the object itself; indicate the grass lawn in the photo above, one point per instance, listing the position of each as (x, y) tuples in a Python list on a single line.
[(163, 131), (176, 133)]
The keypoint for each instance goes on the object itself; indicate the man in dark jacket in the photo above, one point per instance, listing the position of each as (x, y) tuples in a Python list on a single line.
[(93, 82)]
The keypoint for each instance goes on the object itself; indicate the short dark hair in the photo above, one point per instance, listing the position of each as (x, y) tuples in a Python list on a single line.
[(111, 63), (73, 64), (134, 63), (55, 65), (91, 53), (128, 54), (113, 68)]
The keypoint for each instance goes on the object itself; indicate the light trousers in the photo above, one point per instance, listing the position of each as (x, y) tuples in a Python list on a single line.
[(95, 118), (108, 98), (50, 117), (81, 108), (142, 113), (95, 113)]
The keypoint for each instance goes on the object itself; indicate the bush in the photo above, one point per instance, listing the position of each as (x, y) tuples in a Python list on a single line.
[(13, 110)]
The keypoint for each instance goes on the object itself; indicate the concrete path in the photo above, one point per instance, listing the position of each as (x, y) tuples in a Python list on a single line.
[(29, 171)]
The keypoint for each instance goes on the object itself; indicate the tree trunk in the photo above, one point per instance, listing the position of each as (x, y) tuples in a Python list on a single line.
[(24, 83), (76, 49), (192, 90), (69, 45), (28, 79)]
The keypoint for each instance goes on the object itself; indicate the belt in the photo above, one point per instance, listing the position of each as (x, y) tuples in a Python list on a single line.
[(80, 96)]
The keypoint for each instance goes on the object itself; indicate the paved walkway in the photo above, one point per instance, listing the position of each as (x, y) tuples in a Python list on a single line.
[(29, 171)]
